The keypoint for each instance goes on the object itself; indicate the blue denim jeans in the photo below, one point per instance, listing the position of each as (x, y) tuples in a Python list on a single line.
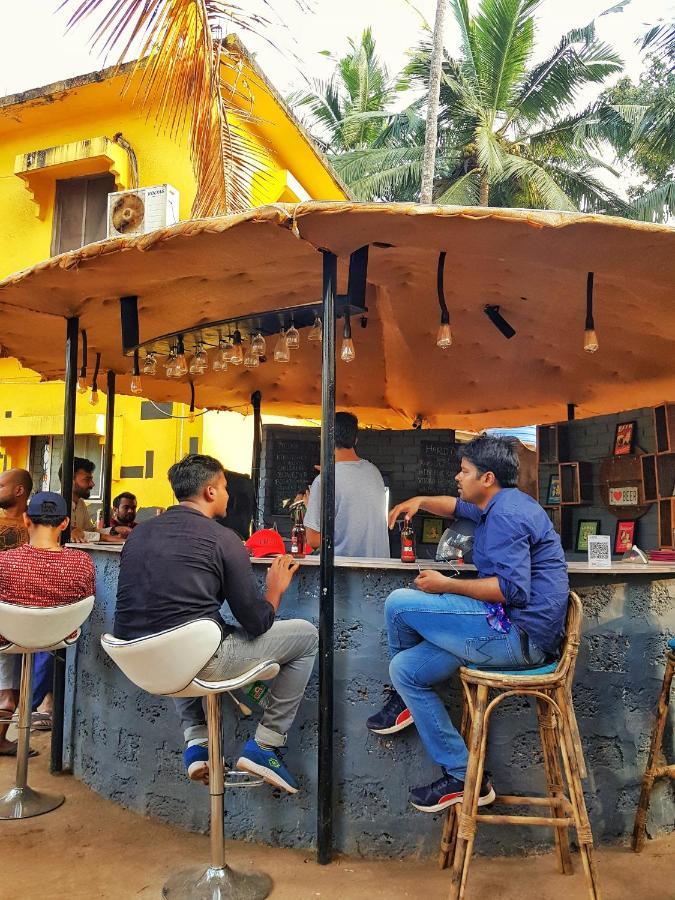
[(430, 637)]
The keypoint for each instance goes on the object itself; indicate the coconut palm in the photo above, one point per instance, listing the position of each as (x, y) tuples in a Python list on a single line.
[(179, 73), (433, 99), (508, 135)]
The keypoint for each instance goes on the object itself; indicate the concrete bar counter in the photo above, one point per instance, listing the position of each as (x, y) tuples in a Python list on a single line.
[(127, 745)]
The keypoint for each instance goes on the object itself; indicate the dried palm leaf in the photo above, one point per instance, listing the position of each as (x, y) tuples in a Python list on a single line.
[(178, 68)]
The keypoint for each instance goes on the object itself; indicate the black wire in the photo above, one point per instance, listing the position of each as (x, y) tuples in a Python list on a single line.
[(590, 325), (445, 315)]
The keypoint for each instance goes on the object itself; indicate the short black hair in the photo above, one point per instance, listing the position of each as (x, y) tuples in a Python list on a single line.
[(346, 430), (125, 495), (51, 521), (498, 455), (190, 474), (79, 464)]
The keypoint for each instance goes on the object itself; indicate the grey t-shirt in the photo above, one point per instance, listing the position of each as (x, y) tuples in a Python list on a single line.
[(360, 511)]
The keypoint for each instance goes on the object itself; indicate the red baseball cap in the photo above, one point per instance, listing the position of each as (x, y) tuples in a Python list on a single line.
[(266, 542)]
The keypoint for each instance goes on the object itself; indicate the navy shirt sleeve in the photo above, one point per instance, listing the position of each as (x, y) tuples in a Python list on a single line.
[(507, 546), (254, 614), (464, 510)]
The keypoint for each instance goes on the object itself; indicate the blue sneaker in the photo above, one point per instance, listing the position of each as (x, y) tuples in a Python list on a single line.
[(394, 716), (196, 759), (268, 765), (446, 791)]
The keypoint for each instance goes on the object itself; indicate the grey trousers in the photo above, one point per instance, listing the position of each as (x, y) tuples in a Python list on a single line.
[(293, 643), (10, 671)]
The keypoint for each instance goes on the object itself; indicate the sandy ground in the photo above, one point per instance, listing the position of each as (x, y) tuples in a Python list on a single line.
[(90, 848)]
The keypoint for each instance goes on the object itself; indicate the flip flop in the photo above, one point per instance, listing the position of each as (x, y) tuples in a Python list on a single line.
[(12, 752), (41, 721)]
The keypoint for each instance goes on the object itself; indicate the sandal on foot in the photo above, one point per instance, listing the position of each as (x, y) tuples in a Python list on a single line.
[(41, 721)]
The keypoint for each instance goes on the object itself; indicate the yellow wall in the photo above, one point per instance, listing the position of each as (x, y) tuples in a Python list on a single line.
[(94, 110)]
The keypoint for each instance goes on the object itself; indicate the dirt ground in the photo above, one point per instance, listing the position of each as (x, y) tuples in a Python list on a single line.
[(90, 848)]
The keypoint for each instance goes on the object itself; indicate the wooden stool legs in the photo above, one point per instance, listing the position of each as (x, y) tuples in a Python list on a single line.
[(449, 835), (653, 770), (554, 783)]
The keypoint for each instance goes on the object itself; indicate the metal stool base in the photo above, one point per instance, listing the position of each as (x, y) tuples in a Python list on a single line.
[(217, 884), (22, 803)]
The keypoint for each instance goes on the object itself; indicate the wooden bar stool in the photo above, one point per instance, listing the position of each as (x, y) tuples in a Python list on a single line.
[(551, 686), (655, 753)]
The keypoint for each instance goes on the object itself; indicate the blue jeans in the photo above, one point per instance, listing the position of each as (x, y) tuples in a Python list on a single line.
[(430, 637)]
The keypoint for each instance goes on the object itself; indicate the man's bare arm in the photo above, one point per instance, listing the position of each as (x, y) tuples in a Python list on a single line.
[(439, 506)]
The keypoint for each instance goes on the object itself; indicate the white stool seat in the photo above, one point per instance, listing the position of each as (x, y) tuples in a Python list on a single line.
[(168, 662), (28, 629)]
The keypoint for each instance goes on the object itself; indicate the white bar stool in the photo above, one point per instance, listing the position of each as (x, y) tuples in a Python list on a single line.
[(167, 663), (30, 629)]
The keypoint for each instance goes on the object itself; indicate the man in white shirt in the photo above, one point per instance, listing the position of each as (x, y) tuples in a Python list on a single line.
[(360, 499)]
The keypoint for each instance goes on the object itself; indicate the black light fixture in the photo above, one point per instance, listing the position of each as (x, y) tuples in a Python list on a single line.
[(82, 378), (444, 335), (498, 320), (590, 337), (180, 365), (237, 355), (93, 396), (191, 414), (136, 385)]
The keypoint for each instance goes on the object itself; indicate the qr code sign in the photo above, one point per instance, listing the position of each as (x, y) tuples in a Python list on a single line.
[(599, 550)]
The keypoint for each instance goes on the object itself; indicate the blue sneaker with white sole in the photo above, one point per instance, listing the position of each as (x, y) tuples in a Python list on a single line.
[(268, 765), (196, 760)]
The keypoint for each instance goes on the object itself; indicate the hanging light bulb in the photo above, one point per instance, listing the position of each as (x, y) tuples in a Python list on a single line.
[(444, 336), (259, 345), (136, 386), (590, 337), (281, 351), (200, 361), (315, 332), (82, 382), (93, 397), (150, 365), (444, 333), (251, 360), (170, 364), (181, 365), (221, 357), (347, 351), (191, 414), (237, 356), (293, 337)]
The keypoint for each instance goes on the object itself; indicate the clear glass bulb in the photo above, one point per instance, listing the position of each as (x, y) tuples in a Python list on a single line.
[(281, 351), (259, 345), (181, 365), (444, 336), (191, 416), (251, 360), (237, 357), (293, 338), (136, 385), (315, 332), (200, 361), (590, 340), (150, 366), (93, 397), (82, 384), (347, 351)]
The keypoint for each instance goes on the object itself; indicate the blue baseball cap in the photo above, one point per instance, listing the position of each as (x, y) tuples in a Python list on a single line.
[(47, 503)]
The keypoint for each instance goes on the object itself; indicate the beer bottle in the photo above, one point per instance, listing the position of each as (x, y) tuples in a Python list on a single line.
[(408, 554), (298, 537)]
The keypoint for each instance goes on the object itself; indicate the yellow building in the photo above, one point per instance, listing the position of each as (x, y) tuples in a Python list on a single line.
[(63, 148)]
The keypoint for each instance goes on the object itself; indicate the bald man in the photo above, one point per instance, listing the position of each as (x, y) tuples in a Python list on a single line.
[(15, 488)]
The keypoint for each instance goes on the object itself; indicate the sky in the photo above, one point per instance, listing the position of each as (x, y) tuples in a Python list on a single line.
[(35, 49)]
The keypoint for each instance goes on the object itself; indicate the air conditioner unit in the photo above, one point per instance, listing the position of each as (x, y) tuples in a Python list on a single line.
[(138, 211)]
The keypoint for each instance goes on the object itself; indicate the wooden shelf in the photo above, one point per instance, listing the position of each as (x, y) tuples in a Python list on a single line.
[(576, 483), (649, 489), (667, 522), (665, 475), (664, 427), (552, 443)]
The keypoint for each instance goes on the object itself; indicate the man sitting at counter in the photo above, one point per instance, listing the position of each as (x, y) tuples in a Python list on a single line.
[(360, 499), (182, 566), (512, 616)]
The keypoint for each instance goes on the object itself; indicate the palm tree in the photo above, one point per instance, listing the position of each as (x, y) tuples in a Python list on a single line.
[(431, 133), (508, 135), (179, 72)]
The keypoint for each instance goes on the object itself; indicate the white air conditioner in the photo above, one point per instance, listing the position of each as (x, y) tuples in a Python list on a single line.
[(141, 210)]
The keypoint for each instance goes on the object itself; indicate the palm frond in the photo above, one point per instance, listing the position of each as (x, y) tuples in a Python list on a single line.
[(463, 191), (656, 205), (538, 182), (382, 174)]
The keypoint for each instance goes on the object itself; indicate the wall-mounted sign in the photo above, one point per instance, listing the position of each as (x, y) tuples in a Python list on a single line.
[(623, 496)]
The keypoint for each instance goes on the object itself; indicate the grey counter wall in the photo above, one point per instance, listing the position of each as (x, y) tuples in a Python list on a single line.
[(126, 744)]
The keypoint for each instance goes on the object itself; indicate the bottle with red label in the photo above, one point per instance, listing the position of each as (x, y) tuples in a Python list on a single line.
[(408, 554), (298, 533)]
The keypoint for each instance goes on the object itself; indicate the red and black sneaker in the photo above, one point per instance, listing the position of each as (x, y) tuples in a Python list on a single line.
[(394, 716), (436, 797)]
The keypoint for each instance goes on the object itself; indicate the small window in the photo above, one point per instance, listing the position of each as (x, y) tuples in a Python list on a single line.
[(80, 211)]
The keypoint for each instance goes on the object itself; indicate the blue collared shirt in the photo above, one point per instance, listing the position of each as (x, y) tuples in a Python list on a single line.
[(516, 543)]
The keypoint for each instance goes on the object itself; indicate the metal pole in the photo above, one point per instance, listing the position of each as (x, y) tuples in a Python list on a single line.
[(108, 449), (72, 331), (216, 781), (25, 706), (256, 398), (326, 572)]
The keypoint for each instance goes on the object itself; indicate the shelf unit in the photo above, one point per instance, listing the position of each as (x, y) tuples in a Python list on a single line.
[(661, 472), (576, 478)]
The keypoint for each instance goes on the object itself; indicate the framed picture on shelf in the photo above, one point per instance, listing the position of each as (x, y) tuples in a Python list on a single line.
[(625, 536), (432, 530), (624, 438), (553, 494), (585, 528)]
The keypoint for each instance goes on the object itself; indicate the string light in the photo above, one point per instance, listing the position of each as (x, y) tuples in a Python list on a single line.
[(150, 366), (259, 345), (170, 364), (82, 378), (222, 356), (237, 357), (93, 396), (136, 385), (200, 361), (444, 334), (281, 352), (347, 351), (191, 414), (82, 384), (590, 337), (293, 337), (251, 360), (316, 332), (181, 366)]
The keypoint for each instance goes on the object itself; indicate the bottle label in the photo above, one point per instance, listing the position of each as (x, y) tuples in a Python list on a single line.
[(257, 690)]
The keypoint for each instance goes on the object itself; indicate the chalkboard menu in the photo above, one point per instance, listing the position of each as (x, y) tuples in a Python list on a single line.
[(293, 469), (438, 466)]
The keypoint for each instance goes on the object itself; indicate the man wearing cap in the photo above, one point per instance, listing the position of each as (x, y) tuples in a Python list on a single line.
[(42, 572), (182, 566)]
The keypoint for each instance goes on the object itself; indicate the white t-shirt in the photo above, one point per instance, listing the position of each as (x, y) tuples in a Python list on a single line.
[(360, 511)]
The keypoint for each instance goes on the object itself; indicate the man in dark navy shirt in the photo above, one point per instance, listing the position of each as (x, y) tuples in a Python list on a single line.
[(183, 566), (512, 616)]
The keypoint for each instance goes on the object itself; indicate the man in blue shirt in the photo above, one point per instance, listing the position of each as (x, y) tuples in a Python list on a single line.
[(512, 616)]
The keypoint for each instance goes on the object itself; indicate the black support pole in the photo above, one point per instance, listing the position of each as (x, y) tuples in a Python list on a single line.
[(326, 572), (571, 411), (256, 398), (108, 449), (70, 394)]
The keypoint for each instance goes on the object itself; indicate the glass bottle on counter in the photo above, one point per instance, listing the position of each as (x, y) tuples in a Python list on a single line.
[(408, 554), (298, 533)]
